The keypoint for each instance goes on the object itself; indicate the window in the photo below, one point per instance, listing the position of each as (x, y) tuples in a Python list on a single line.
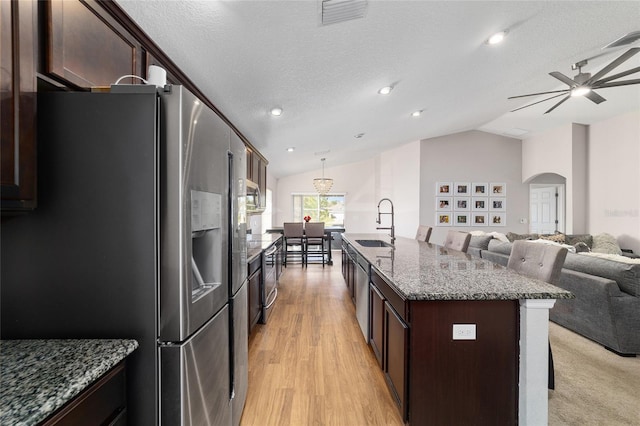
[(327, 208)]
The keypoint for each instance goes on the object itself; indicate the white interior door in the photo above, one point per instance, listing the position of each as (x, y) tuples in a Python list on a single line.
[(543, 211)]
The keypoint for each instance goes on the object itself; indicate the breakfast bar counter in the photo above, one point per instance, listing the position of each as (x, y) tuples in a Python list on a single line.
[(460, 340), (38, 377), (423, 271)]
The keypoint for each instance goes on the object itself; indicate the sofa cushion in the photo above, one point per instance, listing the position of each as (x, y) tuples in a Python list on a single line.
[(605, 243), (480, 241), (627, 275), (579, 238), (501, 247)]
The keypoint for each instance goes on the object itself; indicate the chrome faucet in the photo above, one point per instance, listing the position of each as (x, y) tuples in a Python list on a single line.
[(378, 221)]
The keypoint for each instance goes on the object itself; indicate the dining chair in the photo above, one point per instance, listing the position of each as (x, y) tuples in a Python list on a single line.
[(543, 262), (294, 242), (314, 237), (457, 240), (423, 233)]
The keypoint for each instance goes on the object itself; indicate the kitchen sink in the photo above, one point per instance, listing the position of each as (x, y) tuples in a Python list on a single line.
[(373, 243)]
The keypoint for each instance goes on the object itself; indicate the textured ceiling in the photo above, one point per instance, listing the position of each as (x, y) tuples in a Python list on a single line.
[(249, 56)]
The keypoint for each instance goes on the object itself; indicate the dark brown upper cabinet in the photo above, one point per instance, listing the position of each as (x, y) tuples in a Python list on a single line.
[(87, 47), (18, 52)]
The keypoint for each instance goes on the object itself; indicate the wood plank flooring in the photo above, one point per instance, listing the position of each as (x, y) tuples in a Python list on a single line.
[(310, 364)]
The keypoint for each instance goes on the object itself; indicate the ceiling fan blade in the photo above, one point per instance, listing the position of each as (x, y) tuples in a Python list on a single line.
[(536, 94), (616, 83), (615, 76), (563, 78), (528, 105), (557, 105), (626, 55), (594, 97)]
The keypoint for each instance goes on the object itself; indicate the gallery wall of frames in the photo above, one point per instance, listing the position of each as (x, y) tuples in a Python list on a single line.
[(471, 204)]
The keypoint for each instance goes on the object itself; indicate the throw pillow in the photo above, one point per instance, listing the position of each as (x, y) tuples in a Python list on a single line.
[(579, 238), (582, 247), (480, 241), (558, 238), (605, 243), (511, 236)]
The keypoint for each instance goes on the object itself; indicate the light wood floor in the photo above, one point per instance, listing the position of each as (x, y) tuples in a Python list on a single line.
[(310, 364)]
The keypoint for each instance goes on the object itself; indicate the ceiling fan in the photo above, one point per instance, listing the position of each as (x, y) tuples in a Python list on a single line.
[(584, 83)]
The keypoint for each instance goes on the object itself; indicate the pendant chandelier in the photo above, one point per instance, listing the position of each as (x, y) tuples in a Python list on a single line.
[(323, 185)]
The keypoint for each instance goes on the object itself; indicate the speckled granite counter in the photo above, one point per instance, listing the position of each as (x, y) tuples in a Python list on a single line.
[(39, 376), (258, 242), (422, 271)]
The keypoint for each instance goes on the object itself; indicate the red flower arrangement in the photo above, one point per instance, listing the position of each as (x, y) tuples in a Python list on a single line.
[(307, 218)]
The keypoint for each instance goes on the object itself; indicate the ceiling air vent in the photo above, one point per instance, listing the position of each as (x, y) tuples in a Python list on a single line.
[(334, 11)]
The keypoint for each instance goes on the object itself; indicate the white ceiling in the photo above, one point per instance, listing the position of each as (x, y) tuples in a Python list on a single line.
[(249, 56)]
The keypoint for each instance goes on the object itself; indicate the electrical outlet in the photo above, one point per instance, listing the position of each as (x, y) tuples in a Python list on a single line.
[(464, 332)]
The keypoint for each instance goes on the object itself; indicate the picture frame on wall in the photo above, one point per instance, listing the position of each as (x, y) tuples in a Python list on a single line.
[(497, 219), (498, 189), (461, 218), (444, 203), (462, 189), (443, 219), (480, 203), (462, 203), (444, 188), (497, 204), (479, 219), (480, 189)]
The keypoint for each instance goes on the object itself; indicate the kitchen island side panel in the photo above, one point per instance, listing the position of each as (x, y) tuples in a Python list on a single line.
[(464, 381)]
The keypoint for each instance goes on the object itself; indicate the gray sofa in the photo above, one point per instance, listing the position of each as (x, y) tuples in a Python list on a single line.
[(607, 304)]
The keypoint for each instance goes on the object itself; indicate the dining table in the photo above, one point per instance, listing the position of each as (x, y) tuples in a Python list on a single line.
[(328, 231)]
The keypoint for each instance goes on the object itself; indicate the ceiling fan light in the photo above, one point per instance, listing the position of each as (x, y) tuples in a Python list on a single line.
[(580, 91), (497, 38)]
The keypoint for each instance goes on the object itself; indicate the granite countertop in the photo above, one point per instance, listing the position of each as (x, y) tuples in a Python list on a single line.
[(39, 376), (258, 242), (423, 271)]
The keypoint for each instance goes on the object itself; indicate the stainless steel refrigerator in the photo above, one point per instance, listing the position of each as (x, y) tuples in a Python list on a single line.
[(139, 233)]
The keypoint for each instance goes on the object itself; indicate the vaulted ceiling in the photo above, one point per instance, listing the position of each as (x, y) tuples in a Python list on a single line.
[(251, 56)]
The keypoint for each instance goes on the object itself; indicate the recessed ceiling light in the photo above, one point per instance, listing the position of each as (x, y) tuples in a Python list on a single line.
[(497, 38), (291, 149), (416, 113), (276, 111), (385, 90), (359, 135)]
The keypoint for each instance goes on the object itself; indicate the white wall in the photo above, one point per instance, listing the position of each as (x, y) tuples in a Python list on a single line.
[(473, 156), (393, 174), (614, 179), (563, 151)]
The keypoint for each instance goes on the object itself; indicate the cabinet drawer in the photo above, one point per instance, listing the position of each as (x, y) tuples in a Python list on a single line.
[(395, 300), (103, 403)]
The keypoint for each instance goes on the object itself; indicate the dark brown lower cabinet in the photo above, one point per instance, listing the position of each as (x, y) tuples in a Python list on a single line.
[(102, 403), (436, 380), (396, 339)]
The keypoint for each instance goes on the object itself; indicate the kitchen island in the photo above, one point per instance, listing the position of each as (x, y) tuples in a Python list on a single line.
[(461, 340), (40, 377)]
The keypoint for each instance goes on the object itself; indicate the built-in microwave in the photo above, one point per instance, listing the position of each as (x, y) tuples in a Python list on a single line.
[(255, 202)]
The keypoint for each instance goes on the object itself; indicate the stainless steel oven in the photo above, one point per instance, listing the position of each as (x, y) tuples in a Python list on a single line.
[(270, 260)]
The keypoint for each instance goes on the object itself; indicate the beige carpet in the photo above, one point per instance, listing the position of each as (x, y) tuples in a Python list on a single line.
[(593, 385)]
